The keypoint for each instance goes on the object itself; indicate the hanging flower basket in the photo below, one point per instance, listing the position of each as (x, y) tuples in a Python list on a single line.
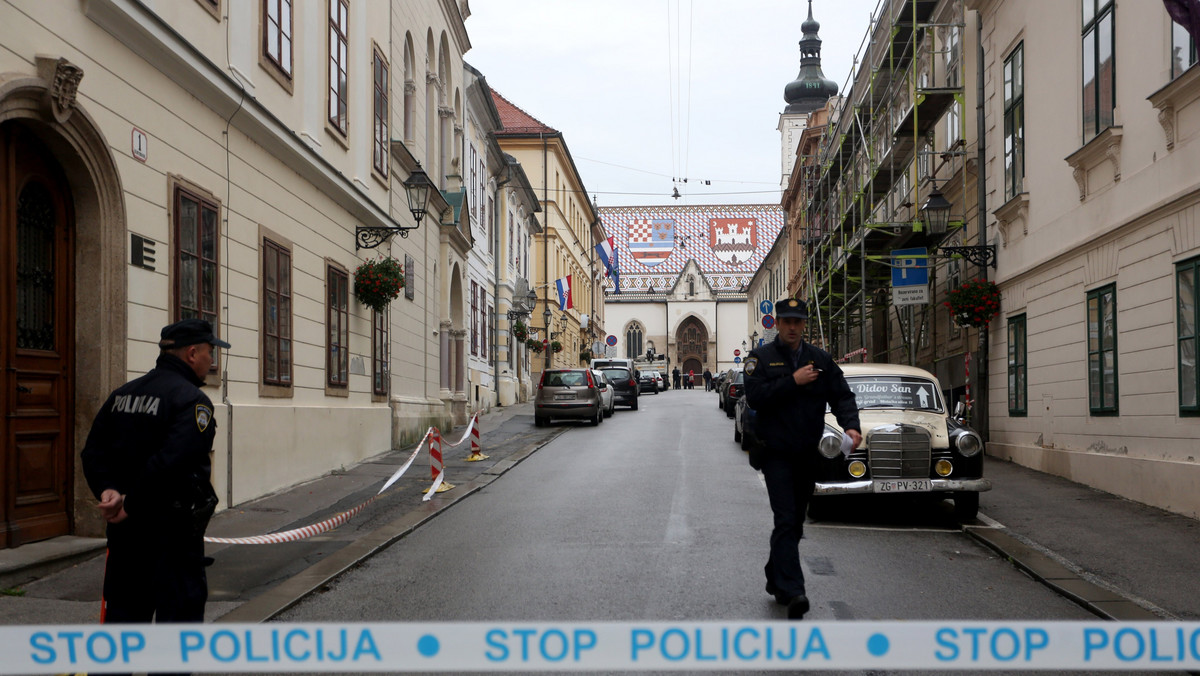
[(378, 282), (556, 347), (520, 331), (585, 356), (535, 345), (974, 303)]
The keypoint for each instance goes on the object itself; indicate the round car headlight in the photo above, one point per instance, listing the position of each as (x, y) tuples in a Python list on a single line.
[(969, 444), (830, 445)]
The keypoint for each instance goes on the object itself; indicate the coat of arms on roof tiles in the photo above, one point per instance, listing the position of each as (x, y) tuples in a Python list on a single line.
[(651, 240), (733, 240)]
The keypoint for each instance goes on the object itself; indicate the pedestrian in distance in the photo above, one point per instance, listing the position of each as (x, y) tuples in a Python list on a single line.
[(691, 383), (675, 377), (788, 384), (707, 380), (147, 460)]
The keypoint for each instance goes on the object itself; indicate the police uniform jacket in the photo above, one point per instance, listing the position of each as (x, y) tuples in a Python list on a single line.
[(151, 442), (790, 417)]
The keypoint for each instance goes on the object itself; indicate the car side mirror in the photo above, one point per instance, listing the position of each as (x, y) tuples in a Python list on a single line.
[(959, 410)]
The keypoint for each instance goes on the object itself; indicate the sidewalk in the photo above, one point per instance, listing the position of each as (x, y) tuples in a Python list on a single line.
[(1122, 560), (251, 583)]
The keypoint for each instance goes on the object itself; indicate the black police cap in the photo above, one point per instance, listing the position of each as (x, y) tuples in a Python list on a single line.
[(187, 332), (790, 307)]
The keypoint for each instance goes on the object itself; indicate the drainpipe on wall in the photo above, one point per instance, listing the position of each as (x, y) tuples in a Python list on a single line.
[(225, 235), (983, 422), (496, 239)]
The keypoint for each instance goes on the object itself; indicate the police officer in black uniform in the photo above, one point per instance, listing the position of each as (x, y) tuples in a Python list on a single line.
[(788, 384), (147, 460)]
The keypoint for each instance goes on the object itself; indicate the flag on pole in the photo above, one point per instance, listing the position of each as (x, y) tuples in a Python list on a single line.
[(615, 272), (564, 293), (605, 250)]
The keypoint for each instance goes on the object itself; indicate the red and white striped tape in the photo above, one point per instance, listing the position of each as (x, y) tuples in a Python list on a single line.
[(332, 522)]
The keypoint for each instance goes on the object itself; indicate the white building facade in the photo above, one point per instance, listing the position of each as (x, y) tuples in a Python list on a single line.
[(197, 158)]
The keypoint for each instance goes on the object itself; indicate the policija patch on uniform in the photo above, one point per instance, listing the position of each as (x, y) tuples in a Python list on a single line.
[(750, 365), (203, 417)]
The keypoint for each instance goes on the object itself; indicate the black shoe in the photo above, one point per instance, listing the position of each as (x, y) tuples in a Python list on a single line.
[(797, 607)]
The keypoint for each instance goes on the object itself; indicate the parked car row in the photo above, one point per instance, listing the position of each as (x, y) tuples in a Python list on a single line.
[(584, 394), (911, 443)]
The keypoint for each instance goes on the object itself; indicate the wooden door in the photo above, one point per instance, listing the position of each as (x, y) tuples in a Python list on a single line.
[(36, 340)]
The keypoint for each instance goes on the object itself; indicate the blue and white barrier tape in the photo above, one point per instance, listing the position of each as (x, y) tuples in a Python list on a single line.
[(607, 646)]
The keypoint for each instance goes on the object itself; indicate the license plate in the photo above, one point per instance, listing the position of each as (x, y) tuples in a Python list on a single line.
[(563, 397), (901, 485)]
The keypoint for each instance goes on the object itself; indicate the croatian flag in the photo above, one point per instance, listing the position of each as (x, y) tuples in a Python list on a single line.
[(607, 256), (564, 293), (615, 272)]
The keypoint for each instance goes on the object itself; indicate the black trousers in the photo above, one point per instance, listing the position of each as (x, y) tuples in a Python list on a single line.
[(789, 488), (144, 584)]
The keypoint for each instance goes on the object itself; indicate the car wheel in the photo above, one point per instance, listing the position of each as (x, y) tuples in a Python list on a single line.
[(737, 434), (966, 506), (597, 418), (728, 412), (634, 407), (747, 441), (540, 421)]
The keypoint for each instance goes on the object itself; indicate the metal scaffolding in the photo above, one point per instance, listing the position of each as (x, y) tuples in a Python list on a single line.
[(876, 164)]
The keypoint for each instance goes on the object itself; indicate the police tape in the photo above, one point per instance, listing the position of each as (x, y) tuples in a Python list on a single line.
[(467, 433), (608, 646), (332, 522)]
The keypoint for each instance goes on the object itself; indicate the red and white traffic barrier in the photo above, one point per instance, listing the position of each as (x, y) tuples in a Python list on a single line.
[(437, 468), (476, 447)]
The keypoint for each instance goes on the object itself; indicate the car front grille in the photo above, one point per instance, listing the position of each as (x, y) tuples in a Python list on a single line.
[(899, 452)]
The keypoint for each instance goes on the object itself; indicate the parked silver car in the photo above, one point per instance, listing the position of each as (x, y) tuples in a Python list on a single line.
[(567, 393), (608, 399)]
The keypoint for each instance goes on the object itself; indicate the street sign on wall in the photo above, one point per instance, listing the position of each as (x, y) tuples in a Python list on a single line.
[(910, 276)]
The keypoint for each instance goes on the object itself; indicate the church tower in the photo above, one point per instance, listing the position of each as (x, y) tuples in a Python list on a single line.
[(808, 92)]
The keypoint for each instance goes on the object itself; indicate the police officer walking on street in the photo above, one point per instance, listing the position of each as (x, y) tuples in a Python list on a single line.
[(147, 460), (788, 384)]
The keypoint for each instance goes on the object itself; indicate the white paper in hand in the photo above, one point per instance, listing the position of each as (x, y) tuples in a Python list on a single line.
[(847, 444)]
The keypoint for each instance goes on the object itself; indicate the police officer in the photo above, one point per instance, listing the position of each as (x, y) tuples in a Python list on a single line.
[(147, 462), (788, 384)]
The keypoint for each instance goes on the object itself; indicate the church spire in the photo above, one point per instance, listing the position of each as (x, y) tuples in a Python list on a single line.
[(811, 89)]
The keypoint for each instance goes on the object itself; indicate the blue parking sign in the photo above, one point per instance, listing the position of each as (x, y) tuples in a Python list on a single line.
[(910, 267)]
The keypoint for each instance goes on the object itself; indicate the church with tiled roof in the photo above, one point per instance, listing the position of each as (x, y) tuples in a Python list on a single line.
[(682, 275)]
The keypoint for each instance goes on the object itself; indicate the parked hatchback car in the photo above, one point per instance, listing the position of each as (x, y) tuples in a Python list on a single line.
[(625, 386), (732, 390), (649, 381), (567, 393), (911, 443), (743, 424), (607, 400)]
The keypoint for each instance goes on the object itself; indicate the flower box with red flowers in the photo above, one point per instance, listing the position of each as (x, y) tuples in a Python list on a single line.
[(974, 303)]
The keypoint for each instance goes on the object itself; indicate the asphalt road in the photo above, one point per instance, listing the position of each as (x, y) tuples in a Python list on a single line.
[(655, 515)]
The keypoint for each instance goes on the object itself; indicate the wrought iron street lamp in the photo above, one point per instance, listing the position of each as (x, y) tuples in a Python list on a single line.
[(417, 188), (522, 307), (936, 211)]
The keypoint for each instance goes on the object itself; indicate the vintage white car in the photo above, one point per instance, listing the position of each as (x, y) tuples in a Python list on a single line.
[(911, 442)]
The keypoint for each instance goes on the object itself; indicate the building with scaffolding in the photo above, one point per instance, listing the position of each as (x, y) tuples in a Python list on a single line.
[(868, 164)]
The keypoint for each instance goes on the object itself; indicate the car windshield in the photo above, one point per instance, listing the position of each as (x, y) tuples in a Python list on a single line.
[(901, 392), (616, 375), (565, 379)]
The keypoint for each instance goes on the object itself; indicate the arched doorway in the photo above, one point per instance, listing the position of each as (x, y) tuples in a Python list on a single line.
[(37, 302), (691, 345)]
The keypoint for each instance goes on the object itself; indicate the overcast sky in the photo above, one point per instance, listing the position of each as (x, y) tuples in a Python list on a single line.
[(645, 91)]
